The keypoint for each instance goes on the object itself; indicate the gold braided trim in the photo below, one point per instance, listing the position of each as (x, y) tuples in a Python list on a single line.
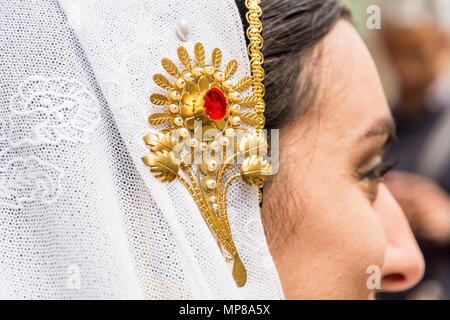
[(256, 57)]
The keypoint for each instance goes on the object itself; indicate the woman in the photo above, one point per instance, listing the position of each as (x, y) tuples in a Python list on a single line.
[(329, 219), (81, 216)]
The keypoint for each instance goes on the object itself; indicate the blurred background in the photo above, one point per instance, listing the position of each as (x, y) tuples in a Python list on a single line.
[(410, 42)]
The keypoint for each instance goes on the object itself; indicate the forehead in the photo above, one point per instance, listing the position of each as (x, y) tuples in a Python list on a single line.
[(351, 94)]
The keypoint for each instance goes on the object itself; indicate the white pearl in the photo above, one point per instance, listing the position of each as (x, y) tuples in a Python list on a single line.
[(224, 141), (183, 29), (219, 76), (235, 121), (174, 108), (188, 77), (212, 166), (213, 199), (234, 96), (230, 132), (180, 83), (178, 121), (183, 132), (175, 95), (211, 184), (203, 146), (209, 70), (228, 85), (214, 146), (194, 142), (215, 206), (197, 71), (235, 109)]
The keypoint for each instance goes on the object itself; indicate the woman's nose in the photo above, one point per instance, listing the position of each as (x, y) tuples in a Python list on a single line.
[(404, 264)]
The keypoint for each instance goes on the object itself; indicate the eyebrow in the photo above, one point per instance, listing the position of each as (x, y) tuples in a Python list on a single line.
[(385, 126)]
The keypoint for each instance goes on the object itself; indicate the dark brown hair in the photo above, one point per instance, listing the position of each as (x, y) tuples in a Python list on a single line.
[(291, 29)]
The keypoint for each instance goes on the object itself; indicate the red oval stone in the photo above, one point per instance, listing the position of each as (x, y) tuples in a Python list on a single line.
[(215, 104)]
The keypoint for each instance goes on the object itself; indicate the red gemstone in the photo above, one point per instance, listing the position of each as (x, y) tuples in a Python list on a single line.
[(215, 104)]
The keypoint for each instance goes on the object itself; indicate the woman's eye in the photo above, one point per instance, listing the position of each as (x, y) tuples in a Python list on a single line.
[(379, 171)]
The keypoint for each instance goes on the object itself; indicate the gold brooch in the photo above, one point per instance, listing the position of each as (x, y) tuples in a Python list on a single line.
[(201, 100)]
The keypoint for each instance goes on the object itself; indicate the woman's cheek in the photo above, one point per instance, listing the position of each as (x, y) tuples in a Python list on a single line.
[(366, 239), (353, 233)]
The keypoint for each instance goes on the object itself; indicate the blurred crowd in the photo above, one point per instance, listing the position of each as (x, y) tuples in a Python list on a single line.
[(412, 50)]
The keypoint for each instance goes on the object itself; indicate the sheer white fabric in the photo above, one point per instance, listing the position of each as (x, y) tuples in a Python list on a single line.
[(80, 215)]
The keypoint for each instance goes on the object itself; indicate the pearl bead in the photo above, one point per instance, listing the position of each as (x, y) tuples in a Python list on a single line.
[(183, 132), (214, 146), (173, 108), (215, 206), (188, 77), (175, 95), (180, 83), (234, 96), (194, 142), (183, 29), (235, 109), (236, 121), (197, 71), (212, 166), (228, 85), (208, 70), (230, 132), (213, 199), (224, 141), (178, 121), (211, 184), (219, 76), (203, 146)]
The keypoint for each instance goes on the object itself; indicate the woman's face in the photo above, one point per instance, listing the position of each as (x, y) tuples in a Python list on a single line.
[(330, 222)]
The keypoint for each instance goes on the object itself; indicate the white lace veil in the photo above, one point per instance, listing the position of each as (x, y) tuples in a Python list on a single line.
[(80, 214)]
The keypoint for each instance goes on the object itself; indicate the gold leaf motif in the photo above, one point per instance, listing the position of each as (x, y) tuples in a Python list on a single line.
[(170, 67), (230, 69), (183, 55), (159, 118), (251, 118), (243, 84), (216, 58), (255, 170), (166, 130), (162, 81), (164, 165), (199, 51), (160, 142), (249, 101), (159, 99)]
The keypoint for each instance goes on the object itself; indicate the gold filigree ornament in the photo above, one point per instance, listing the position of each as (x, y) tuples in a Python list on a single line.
[(202, 93)]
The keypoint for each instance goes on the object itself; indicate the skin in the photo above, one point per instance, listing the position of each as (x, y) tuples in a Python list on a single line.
[(325, 224)]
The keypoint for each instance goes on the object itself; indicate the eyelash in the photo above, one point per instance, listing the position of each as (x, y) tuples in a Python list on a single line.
[(378, 172)]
